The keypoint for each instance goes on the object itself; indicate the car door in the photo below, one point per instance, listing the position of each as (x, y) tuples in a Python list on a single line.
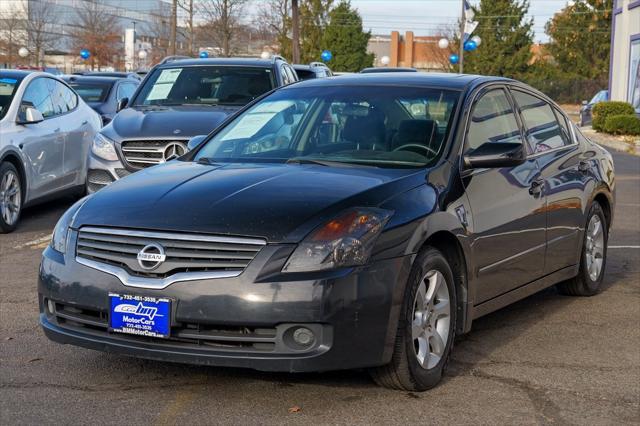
[(42, 143), (508, 222), (564, 169)]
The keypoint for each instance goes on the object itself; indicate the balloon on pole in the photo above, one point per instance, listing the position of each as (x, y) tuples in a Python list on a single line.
[(385, 60), (23, 52), (443, 43), (142, 55), (85, 54), (204, 55), (477, 40), (454, 59), (326, 55), (470, 45)]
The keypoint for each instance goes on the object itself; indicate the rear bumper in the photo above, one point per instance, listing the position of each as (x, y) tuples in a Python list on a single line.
[(353, 313)]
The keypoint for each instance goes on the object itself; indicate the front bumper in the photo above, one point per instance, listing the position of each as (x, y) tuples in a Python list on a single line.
[(101, 172), (353, 313)]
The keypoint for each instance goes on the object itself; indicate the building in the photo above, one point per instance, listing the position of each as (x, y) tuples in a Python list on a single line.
[(624, 71), (420, 52), (149, 18)]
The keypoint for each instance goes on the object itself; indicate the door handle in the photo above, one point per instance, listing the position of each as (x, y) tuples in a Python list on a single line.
[(56, 130), (584, 166), (536, 187), (85, 122)]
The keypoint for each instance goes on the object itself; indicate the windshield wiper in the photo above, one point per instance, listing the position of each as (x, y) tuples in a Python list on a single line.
[(298, 160)]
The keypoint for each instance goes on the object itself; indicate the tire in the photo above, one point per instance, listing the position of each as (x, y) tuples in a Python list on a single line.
[(10, 197), (407, 371), (594, 247)]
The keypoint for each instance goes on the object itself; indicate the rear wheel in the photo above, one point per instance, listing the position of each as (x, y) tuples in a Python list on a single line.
[(593, 258), (10, 197), (426, 328)]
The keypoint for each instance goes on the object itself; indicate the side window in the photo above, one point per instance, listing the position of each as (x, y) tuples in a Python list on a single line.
[(64, 97), (38, 96), (125, 90), (492, 121), (543, 131)]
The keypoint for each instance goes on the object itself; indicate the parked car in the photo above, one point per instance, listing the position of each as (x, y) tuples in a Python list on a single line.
[(357, 221), (118, 74), (313, 70), (585, 110), (387, 69), (46, 131), (50, 70), (178, 100), (103, 93)]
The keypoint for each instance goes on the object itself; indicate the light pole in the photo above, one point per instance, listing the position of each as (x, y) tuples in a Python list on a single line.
[(463, 20)]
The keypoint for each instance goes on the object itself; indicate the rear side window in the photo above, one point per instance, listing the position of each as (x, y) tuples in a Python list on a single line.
[(492, 121), (543, 131)]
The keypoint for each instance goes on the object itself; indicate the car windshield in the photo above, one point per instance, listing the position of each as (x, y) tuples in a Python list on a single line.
[(382, 126), (205, 85), (91, 92), (8, 87)]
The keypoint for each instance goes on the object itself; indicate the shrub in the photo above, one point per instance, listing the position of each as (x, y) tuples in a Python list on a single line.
[(622, 124), (602, 110)]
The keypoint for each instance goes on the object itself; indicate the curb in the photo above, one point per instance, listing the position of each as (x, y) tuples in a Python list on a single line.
[(614, 142)]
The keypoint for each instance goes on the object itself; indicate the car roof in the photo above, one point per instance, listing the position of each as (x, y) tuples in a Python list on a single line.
[(255, 62), (94, 79), (9, 73), (424, 79)]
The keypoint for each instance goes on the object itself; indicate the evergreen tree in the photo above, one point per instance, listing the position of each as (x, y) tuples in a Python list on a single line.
[(347, 41), (506, 39), (581, 38), (314, 16)]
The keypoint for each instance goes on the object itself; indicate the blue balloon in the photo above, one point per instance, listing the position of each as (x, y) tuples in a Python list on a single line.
[(85, 54), (204, 55), (326, 55), (470, 45), (454, 59)]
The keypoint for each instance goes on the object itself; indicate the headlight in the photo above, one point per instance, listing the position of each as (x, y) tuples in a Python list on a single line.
[(346, 240), (104, 148), (61, 231)]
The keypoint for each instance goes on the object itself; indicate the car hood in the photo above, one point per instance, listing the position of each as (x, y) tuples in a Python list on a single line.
[(278, 202), (158, 121)]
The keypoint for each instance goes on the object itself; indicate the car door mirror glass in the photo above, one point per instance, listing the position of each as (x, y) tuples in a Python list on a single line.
[(496, 154), (122, 104), (30, 115), (195, 141)]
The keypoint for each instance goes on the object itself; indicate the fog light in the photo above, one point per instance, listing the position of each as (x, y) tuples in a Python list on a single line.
[(51, 306), (303, 336)]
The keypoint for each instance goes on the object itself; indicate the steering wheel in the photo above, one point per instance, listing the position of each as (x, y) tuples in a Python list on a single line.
[(406, 147)]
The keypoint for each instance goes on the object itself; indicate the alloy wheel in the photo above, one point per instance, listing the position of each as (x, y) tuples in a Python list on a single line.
[(594, 247), (431, 319), (10, 197)]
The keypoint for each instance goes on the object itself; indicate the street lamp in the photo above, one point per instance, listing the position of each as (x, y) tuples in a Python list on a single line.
[(142, 55), (385, 60)]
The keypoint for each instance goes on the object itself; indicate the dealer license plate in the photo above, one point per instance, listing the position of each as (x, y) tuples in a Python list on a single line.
[(141, 315)]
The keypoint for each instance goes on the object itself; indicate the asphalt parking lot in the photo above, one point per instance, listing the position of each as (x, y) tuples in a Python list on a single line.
[(546, 359)]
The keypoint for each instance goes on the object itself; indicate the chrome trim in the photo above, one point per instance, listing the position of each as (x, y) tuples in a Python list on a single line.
[(172, 236), (154, 283)]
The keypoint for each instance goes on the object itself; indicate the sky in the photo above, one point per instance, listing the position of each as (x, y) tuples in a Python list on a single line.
[(425, 17)]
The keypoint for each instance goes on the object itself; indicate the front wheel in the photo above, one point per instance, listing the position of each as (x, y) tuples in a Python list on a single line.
[(426, 329), (593, 258), (10, 197)]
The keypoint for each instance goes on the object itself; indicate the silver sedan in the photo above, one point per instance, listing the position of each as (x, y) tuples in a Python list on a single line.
[(46, 130)]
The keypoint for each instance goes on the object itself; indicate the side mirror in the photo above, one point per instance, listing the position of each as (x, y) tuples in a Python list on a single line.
[(30, 116), (585, 102), (496, 154), (122, 104), (195, 141)]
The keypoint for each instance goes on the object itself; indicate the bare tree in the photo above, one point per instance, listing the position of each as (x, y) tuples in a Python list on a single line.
[(12, 35), (273, 21), (221, 21), (295, 31), (40, 20), (174, 26), (188, 7), (159, 31), (97, 31)]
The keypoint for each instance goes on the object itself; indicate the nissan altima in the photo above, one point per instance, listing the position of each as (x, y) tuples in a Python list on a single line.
[(362, 221)]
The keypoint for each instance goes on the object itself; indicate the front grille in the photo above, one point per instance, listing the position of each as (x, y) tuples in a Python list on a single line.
[(145, 153), (202, 336), (185, 253)]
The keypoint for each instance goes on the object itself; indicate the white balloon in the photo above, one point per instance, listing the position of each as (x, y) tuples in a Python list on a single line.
[(477, 40), (385, 60), (142, 54), (265, 55), (443, 43), (23, 52)]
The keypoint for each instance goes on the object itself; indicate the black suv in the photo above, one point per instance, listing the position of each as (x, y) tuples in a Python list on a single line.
[(313, 70), (176, 101)]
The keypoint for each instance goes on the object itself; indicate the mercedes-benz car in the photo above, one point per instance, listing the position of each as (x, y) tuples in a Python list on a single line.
[(355, 222), (45, 134), (178, 100)]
